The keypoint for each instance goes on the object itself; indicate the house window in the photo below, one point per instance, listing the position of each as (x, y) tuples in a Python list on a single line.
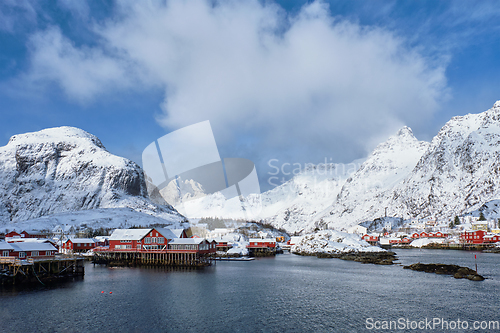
[(34, 253), (153, 240), (5, 254), (22, 255), (147, 240), (161, 240)]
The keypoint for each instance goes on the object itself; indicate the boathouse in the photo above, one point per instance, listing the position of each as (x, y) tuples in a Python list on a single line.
[(73, 245), (257, 246), (34, 250), (12, 234), (155, 246), (6, 250)]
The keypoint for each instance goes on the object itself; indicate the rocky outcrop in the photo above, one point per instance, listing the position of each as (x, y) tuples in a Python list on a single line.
[(377, 258), (458, 272)]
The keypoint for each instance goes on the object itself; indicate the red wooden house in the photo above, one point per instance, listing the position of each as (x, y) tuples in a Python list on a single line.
[(140, 239), (35, 250), (261, 246), (372, 239), (473, 236), (255, 243), (437, 234), (492, 238), (6, 250), (223, 246), (191, 245), (78, 245), (404, 240), (12, 234), (32, 234)]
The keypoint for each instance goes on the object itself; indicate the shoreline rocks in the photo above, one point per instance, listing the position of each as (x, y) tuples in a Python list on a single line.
[(458, 272), (377, 258)]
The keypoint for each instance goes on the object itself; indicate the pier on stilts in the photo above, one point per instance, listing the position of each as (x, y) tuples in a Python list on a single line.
[(16, 271), (134, 257)]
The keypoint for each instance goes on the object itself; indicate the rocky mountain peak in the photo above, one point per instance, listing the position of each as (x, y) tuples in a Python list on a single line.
[(405, 131), (56, 135)]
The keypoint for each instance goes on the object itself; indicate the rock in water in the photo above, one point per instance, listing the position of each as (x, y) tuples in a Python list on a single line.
[(458, 272)]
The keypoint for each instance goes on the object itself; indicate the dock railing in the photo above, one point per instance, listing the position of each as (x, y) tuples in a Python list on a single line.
[(7, 260)]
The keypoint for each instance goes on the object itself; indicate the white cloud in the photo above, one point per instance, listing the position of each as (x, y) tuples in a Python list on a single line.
[(82, 73), (308, 86)]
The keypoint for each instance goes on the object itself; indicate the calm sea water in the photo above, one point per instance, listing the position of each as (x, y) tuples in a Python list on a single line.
[(286, 293)]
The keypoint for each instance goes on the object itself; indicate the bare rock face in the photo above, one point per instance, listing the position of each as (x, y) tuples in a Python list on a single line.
[(67, 169)]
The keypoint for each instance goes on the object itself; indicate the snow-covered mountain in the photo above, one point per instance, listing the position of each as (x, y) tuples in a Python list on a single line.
[(459, 172), (294, 206), (367, 193), (66, 169), (456, 173)]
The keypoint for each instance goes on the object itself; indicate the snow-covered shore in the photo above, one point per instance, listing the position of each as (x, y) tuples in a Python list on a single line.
[(332, 242)]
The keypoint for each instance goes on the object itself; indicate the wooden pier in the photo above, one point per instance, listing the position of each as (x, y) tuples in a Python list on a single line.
[(150, 258), (16, 271)]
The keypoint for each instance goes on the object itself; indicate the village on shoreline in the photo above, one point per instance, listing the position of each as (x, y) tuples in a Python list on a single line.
[(199, 246)]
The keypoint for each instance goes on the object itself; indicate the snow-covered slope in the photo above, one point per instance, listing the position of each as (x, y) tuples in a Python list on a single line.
[(291, 206), (294, 205), (459, 172), (456, 173), (366, 194), (490, 210), (66, 169), (95, 219), (179, 191)]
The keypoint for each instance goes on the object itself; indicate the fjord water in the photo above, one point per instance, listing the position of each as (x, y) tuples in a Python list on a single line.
[(286, 293)]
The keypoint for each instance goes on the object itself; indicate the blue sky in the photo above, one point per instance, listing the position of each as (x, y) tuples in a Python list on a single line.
[(293, 81)]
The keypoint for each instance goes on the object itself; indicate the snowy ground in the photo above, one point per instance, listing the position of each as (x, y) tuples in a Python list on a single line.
[(331, 241), (94, 218), (426, 241)]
